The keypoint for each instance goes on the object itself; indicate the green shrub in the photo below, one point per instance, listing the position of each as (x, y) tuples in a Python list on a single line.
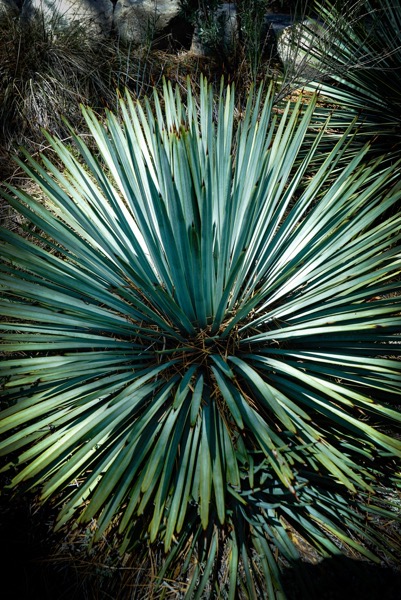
[(359, 67), (200, 349), (252, 33)]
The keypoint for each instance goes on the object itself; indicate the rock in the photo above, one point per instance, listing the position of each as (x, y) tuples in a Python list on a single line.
[(137, 21), (8, 6), (226, 31), (93, 15), (134, 21), (275, 23), (296, 45), (218, 35)]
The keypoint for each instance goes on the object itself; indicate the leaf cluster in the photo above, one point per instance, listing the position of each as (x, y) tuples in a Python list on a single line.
[(201, 349)]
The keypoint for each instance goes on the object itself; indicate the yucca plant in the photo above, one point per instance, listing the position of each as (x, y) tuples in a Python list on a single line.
[(356, 55), (199, 349)]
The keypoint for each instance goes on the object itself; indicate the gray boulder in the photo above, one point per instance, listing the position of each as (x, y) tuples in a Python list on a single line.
[(300, 45), (221, 33), (275, 23), (8, 5), (137, 21), (95, 16), (225, 31)]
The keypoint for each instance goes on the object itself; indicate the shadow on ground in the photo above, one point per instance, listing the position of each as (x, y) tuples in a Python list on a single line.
[(342, 578), (29, 571)]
